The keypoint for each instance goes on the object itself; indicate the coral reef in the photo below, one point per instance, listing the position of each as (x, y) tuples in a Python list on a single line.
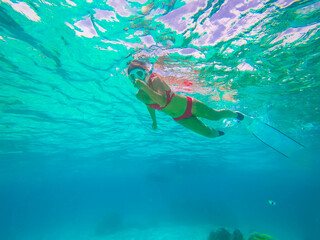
[(220, 234), (237, 235), (259, 236), (224, 234)]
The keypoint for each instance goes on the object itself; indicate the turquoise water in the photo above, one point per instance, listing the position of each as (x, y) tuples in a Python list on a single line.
[(78, 156)]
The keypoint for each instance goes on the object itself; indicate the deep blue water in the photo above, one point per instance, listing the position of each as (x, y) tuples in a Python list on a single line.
[(59, 201)]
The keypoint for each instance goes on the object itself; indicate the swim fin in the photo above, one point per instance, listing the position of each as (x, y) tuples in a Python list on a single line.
[(273, 137)]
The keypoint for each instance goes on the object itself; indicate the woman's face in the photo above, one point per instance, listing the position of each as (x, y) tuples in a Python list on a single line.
[(137, 73)]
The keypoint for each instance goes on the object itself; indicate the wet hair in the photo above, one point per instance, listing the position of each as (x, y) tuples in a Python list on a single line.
[(137, 64)]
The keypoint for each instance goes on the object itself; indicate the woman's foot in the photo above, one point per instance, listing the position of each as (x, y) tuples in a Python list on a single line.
[(215, 133), (221, 133), (239, 116)]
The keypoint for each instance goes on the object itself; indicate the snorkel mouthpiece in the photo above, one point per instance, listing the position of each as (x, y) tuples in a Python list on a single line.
[(137, 73)]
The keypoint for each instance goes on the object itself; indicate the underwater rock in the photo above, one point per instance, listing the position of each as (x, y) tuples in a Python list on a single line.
[(220, 234), (260, 236), (237, 235)]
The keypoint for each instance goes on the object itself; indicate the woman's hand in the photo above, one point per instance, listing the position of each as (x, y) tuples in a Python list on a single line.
[(154, 126), (139, 84)]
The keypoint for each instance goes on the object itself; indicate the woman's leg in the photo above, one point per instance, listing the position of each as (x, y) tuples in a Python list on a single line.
[(200, 109), (193, 123)]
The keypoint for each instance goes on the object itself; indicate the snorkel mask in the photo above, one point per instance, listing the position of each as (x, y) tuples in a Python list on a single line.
[(137, 73)]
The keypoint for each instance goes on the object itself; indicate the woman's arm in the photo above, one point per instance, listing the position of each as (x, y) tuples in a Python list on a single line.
[(151, 111)]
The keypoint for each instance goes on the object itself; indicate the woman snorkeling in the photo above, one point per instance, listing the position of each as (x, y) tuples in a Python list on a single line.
[(157, 95)]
